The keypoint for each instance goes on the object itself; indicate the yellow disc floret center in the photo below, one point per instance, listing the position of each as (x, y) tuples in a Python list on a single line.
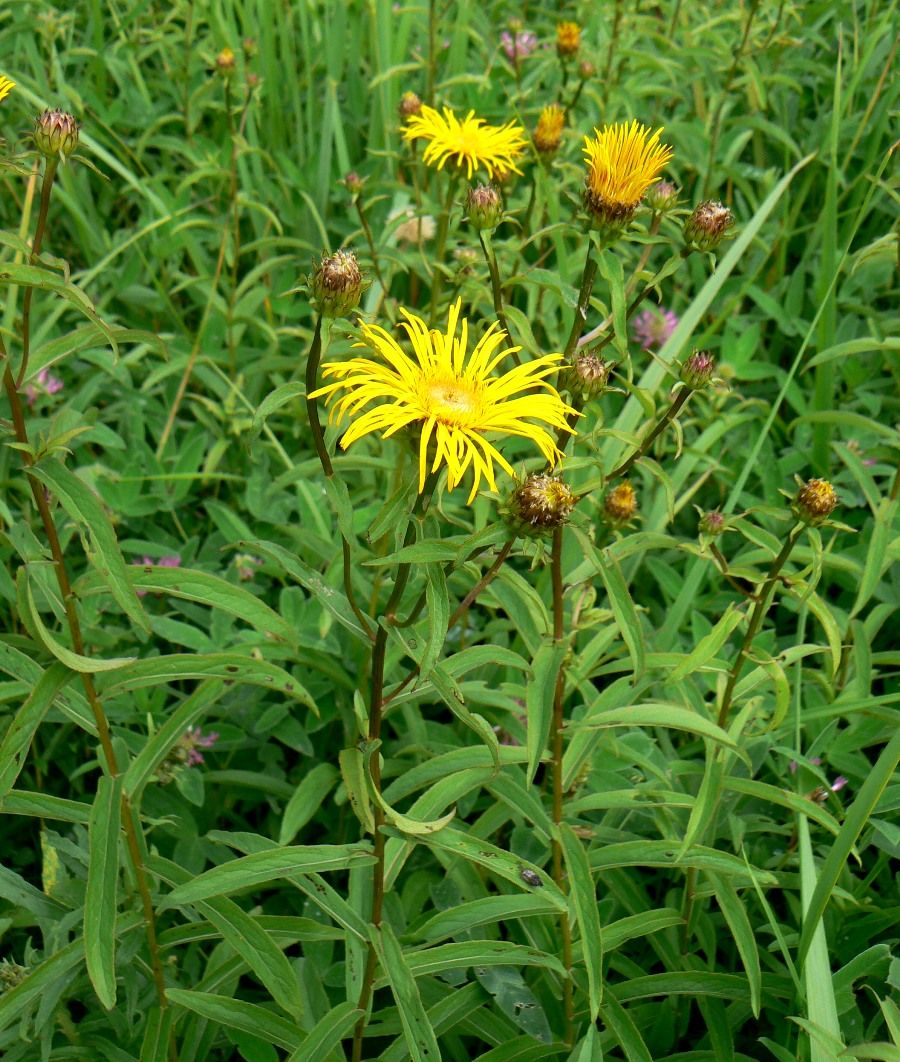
[(452, 400)]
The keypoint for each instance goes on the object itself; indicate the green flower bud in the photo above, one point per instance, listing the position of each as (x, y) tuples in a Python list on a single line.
[(712, 523), (484, 207), (56, 134), (697, 370), (336, 284), (662, 196)]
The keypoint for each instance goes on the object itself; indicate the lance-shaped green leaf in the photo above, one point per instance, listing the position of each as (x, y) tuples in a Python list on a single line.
[(539, 692), (661, 714), (708, 646), (420, 1038), (306, 801), (327, 1033), (404, 823), (624, 611), (86, 509), (17, 739), (237, 1014), (100, 902), (282, 394), (262, 868), (584, 901), (353, 772)]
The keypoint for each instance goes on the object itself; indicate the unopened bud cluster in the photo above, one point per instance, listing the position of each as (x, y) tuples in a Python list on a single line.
[(56, 134), (661, 196), (697, 370), (410, 104), (336, 284), (484, 207), (816, 500), (620, 505), (226, 62), (586, 376), (712, 523), (541, 503), (709, 224)]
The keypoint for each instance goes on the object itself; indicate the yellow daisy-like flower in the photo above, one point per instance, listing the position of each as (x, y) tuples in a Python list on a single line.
[(549, 130), (453, 395), (6, 86), (470, 142), (623, 161), (568, 38)]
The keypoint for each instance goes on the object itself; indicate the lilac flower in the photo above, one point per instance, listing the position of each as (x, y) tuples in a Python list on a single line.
[(45, 384), (246, 565), (518, 45), (838, 784), (653, 327), (195, 739)]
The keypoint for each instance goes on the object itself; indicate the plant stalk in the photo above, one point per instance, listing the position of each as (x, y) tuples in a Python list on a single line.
[(662, 423), (46, 188)]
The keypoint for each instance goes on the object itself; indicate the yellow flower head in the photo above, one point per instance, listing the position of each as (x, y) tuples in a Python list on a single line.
[(453, 395), (470, 142), (623, 161), (6, 86), (568, 38), (549, 129)]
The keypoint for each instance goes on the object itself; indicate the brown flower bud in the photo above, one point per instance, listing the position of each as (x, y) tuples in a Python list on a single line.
[(587, 375), (56, 134), (541, 503), (712, 523), (336, 284), (225, 62), (709, 224), (816, 500), (353, 183), (620, 505), (410, 104), (586, 70)]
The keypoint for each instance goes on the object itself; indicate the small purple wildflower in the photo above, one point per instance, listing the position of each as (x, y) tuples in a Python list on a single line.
[(653, 327), (518, 45), (838, 784), (814, 760), (246, 565), (45, 384), (195, 739)]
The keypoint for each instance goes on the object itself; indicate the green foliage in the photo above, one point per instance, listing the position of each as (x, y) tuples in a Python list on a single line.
[(240, 693)]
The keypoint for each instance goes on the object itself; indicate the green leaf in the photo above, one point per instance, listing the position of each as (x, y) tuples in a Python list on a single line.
[(404, 823), (584, 901), (353, 772), (155, 750), (262, 868), (623, 609), (430, 961), (83, 506), (45, 806), (282, 394), (437, 611), (539, 694), (100, 902), (708, 646), (735, 913), (316, 784), (236, 1014), (625, 1031), (660, 714), (832, 632), (420, 1037), (74, 661), (856, 818), (327, 1033), (157, 1033), (877, 558), (233, 667), (666, 854), (40, 979), (486, 911), (17, 739)]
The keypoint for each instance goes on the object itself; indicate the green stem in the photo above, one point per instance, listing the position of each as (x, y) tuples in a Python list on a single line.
[(312, 413), (496, 287), (760, 609), (370, 240), (588, 275), (376, 712), (437, 276), (46, 188), (662, 423), (557, 745)]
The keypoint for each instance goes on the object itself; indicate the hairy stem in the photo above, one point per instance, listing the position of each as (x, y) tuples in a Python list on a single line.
[(660, 426), (588, 276), (496, 287)]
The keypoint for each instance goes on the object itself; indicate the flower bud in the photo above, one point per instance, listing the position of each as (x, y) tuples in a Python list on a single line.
[(336, 284), (354, 183), (568, 39), (709, 224), (541, 503), (225, 62), (484, 207), (662, 196), (620, 505), (250, 47), (11, 973), (549, 129), (56, 134), (409, 105), (712, 523), (586, 376), (697, 370), (586, 70), (816, 500)]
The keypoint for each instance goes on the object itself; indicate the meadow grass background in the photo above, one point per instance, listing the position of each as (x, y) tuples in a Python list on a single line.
[(206, 202)]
